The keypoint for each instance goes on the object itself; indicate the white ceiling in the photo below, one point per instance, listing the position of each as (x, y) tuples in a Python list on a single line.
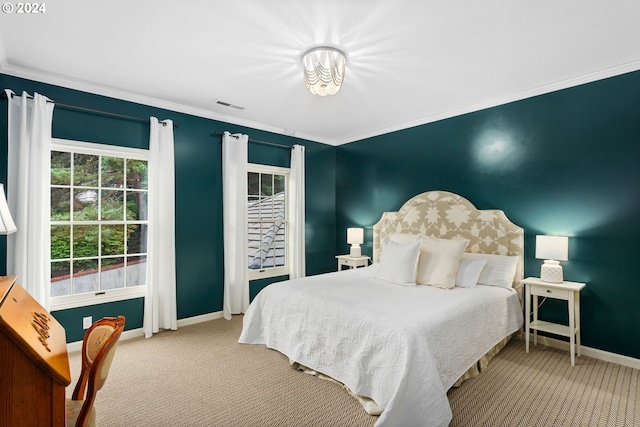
[(409, 62)]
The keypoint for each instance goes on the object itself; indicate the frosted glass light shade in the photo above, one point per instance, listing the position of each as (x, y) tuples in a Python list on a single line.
[(324, 70), (355, 237), (552, 249), (7, 226)]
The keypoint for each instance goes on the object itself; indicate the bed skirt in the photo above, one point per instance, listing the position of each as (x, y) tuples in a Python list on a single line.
[(372, 408)]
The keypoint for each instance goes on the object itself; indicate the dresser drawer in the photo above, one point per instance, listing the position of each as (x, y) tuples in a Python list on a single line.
[(351, 262), (548, 291)]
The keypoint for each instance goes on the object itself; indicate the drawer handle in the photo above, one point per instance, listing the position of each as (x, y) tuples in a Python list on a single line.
[(549, 291)]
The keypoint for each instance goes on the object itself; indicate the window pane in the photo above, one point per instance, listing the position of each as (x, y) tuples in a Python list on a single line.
[(85, 205), (60, 168), (266, 208), (85, 276), (278, 184), (60, 204), (112, 172), (253, 184), (113, 240), (136, 271), (85, 170), (273, 256), (112, 205), (266, 184), (254, 258), (85, 241), (60, 242), (112, 273), (278, 206), (136, 239), (137, 174), (60, 278), (137, 206)]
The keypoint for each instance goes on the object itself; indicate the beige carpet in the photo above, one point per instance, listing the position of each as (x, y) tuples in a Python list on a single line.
[(200, 376)]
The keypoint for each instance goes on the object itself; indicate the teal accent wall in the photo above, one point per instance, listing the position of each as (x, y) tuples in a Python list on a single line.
[(198, 168), (565, 163), (560, 163)]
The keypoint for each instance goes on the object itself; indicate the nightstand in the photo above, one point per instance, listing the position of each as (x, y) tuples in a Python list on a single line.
[(568, 291), (352, 262)]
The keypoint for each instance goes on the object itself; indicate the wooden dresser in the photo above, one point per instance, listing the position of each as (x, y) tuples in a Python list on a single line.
[(34, 366)]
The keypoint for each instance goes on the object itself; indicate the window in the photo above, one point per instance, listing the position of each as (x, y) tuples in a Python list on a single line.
[(99, 223), (267, 221)]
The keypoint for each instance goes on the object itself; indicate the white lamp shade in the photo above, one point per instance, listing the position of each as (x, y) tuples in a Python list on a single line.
[(552, 247), (7, 226), (355, 236)]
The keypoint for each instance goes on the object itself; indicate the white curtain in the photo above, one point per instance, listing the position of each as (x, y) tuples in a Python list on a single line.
[(160, 301), (234, 217), (296, 213), (29, 162)]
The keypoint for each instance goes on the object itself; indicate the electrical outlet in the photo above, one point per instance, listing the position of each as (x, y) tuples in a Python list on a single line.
[(86, 322)]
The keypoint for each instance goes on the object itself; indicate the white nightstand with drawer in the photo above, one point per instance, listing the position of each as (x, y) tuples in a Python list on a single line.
[(352, 262), (568, 291)]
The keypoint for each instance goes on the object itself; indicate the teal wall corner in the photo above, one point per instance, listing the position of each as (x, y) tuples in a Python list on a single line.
[(562, 163)]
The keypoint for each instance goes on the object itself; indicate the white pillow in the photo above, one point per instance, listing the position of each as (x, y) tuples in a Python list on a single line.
[(439, 261), (469, 272), (399, 262), (500, 270)]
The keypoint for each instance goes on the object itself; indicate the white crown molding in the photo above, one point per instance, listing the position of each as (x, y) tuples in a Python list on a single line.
[(540, 90), (98, 89)]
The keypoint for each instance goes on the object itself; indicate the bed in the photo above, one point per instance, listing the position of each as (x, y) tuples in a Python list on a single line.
[(399, 346)]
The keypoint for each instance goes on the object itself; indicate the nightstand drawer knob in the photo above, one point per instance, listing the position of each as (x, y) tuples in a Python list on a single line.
[(548, 290)]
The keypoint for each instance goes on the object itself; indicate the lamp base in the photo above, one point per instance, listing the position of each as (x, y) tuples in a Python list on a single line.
[(355, 252), (551, 271)]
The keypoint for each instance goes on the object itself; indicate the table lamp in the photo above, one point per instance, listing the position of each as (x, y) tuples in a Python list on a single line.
[(355, 237), (552, 249)]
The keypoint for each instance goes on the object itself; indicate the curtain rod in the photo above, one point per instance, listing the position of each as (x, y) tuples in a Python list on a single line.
[(262, 142), (104, 113)]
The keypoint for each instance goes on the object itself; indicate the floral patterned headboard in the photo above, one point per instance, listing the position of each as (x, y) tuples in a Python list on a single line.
[(447, 215)]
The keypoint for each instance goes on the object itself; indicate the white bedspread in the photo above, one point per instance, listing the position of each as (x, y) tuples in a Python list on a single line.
[(402, 346)]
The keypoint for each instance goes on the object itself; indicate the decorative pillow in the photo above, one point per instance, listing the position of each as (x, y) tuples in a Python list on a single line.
[(439, 261), (500, 270), (469, 272), (399, 262)]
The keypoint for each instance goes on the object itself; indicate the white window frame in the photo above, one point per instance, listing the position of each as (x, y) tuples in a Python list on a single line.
[(107, 295), (283, 270)]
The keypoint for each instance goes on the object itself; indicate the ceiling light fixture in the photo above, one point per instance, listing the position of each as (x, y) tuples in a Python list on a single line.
[(324, 70)]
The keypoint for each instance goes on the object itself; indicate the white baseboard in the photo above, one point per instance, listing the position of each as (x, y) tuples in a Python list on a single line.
[(588, 351), (199, 319), (139, 332)]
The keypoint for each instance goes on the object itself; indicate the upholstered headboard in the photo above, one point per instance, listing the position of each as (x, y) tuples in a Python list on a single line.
[(447, 215)]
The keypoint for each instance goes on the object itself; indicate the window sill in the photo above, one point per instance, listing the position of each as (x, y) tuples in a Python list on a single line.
[(102, 297), (268, 272)]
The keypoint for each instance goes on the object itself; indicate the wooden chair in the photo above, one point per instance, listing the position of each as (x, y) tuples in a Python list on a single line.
[(98, 349)]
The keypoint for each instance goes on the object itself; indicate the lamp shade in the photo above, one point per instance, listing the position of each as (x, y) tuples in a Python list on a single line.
[(355, 236), (7, 226), (552, 247), (323, 70)]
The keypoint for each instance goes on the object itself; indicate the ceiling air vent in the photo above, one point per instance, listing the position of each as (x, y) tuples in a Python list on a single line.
[(226, 104)]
